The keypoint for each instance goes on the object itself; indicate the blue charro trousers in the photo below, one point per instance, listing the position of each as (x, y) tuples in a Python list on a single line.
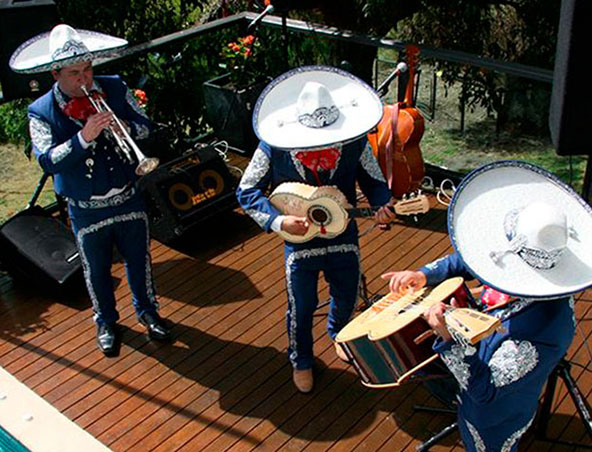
[(340, 265), (96, 231)]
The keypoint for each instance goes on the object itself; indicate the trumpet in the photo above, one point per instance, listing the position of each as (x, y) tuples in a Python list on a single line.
[(124, 141)]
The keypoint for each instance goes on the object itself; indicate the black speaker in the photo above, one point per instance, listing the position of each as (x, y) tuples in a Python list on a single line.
[(34, 245), (570, 115), (19, 21), (187, 190)]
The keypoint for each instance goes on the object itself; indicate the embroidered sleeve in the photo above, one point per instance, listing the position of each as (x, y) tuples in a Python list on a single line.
[(41, 136), (370, 164), (512, 361), (252, 189), (53, 157), (370, 178), (256, 171)]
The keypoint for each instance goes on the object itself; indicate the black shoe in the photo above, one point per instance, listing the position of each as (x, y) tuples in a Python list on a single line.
[(107, 338), (157, 328)]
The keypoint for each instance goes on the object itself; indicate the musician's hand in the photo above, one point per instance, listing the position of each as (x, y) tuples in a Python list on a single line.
[(295, 225), (403, 281), (434, 315), (95, 125), (385, 215), (125, 124)]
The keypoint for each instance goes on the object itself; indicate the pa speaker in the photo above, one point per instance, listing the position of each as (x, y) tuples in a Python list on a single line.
[(19, 21), (570, 115), (34, 245), (187, 190)]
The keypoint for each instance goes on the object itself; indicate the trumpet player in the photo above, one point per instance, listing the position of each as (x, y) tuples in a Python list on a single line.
[(74, 143)]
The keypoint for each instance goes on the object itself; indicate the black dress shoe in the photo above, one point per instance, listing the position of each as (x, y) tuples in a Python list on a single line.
[(156, 326), (107, 338)]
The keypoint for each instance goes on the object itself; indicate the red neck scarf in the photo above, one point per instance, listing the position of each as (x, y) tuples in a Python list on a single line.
[(491, 297), (325, 159)]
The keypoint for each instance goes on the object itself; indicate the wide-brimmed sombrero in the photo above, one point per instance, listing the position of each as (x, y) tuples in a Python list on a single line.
[(62, 46), (314, 106), (521, 230)]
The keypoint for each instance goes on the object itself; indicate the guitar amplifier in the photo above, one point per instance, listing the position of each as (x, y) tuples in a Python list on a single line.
[(187, 190)]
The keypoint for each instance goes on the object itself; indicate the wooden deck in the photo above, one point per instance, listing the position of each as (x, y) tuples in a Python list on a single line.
[(224, 383)]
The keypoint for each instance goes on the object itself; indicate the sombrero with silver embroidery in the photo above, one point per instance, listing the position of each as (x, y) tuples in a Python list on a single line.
[(522, 231), (62, 46), (314, 106)]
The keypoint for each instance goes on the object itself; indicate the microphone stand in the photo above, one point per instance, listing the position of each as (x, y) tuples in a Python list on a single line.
[(285, 36)]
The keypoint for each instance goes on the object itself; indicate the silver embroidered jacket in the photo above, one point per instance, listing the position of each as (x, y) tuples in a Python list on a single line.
[(81, 173), (500, 379)]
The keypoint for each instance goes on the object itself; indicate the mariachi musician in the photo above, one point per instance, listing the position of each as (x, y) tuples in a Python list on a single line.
[(312, 122), (526, 236), (82, 148)]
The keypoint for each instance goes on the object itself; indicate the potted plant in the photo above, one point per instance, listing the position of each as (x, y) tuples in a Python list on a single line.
[(230, 98)]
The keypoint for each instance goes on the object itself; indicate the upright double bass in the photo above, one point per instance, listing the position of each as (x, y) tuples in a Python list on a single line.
[(396, 142)]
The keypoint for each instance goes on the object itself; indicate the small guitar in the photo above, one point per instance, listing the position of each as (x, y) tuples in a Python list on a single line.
[(388, 343), (327, 209)]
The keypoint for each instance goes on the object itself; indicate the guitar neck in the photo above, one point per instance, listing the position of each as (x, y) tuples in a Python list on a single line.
[(362, 212)]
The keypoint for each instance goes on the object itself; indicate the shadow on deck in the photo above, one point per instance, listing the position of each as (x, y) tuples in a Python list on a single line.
[(224, 382)]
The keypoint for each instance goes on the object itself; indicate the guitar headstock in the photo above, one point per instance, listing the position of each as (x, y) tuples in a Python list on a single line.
[(412, 56), (469, 326), (412, 205)]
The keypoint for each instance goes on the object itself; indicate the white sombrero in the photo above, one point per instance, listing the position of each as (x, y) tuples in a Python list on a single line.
[(314, 106), (60, 47), (522, 231)]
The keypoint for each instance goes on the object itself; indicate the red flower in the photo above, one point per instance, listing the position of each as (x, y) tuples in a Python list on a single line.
[(140, 97)]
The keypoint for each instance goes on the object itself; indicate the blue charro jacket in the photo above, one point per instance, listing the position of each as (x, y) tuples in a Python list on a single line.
[(501, 377), (80, 173), (270, 167)]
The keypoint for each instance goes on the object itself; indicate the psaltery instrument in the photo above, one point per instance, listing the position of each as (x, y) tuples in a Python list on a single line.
[(390, 341)]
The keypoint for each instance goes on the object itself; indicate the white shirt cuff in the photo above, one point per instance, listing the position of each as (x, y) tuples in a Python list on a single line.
[(85, 144), (276, 224)]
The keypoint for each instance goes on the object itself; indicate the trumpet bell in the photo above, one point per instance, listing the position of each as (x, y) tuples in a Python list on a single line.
[(147, 165)]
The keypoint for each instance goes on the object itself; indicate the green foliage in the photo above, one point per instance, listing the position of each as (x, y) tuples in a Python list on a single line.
[(523, 31), (236, 55), (14, 126), (135, 20)]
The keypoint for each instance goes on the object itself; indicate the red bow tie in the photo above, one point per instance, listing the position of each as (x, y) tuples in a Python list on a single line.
[(80, 107), (325, 159)]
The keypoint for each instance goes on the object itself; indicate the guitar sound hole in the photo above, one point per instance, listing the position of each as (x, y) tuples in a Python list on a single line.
[(319, 216)]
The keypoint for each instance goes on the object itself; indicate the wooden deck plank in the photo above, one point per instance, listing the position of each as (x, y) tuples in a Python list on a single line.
[(224, 382)]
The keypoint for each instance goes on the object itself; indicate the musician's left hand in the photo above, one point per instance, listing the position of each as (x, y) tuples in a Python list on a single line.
[(384, 216), (118, 130), (434, 315)]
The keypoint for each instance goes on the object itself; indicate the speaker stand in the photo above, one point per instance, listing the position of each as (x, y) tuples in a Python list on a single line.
[(366, 301), (562, 370), (38, 190), (446, 431), (62, 206)]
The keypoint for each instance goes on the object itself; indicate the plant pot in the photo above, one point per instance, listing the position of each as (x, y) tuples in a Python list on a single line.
[(229, 111)]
